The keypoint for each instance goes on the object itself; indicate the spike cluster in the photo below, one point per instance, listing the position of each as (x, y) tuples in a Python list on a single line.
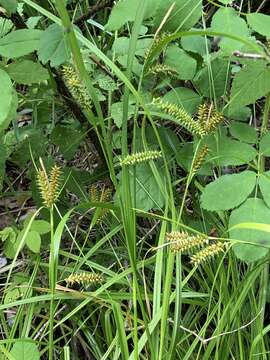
[(162, 69), (84, 279), (182, 116), (49, 186), (200, 158), (75, 86), (100, 195), (140, 157), (181, 241), (207, 253), (209, 117)]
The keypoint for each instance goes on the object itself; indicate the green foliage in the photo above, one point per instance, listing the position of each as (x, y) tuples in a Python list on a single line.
[(19, 43), (152, 133), (27, 72), (25, 350), (227, 19), (53, 46), (6, 102), (252, 211), (243, 91), (228, 191), (259, 23)]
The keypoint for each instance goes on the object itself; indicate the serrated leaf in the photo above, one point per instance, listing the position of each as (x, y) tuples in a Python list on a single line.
[(19, 43), (212, 80), (250, 84), (185, 98), (264, 183), (33, 241), (253, 210), (259, 23), (227, 152), (243, 132), (68, 140), (183, 63), (265, 144), (228, 20), (6, 98), (54, 46), (25, 350), (228, 191), (27, 72)]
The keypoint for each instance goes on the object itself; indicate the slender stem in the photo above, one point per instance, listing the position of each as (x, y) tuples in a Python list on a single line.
[(52, 285)]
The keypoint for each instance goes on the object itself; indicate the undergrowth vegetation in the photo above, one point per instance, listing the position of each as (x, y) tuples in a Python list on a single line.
[(134, 179)]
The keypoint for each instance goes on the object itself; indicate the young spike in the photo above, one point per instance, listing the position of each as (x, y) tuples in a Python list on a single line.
[(49, 186), (140, 157), (200, 158)]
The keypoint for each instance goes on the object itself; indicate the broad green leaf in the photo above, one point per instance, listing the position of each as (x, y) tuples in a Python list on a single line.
[(265, 144), (33, 241), (226, 2), (183, 63), (121, 46), (27, 72), (184, 97), (117, 112), (148, 195), (243, 132), (9, 5), (253, 211), (233, 152), (226, 151), (228, 20), (196, 44), (19, 43), (25, 350), (241, 113), (228, 191), (184, 14), (41, 226), (259, 23), (250, 84), (264, 183), (53, 46), (125, 10), (6, 98), (212, 80)]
